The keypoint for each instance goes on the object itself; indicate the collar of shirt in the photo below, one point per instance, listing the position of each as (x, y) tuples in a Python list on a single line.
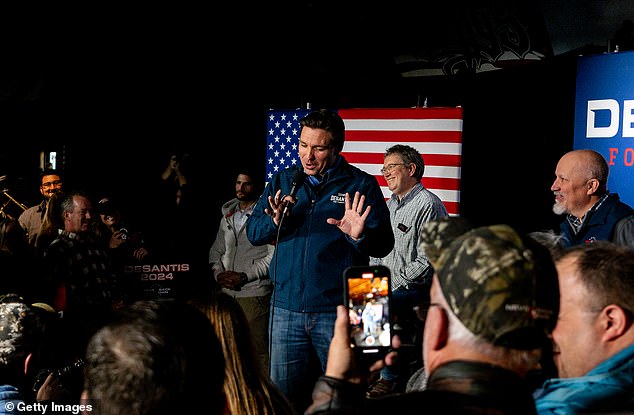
[(240, 216), (244, 212), (319, 178), (577, 223), (418, 187), (69, 235)]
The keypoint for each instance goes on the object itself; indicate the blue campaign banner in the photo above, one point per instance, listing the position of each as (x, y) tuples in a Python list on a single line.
[(604, 115)]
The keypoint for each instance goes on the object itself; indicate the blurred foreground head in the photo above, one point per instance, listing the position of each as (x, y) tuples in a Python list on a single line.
[(158, 357)]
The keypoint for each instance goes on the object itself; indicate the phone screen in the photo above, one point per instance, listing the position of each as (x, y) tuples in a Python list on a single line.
[(367, 291)]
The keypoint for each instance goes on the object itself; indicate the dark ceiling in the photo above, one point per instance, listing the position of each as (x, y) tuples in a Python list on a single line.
[(116, 86), (74, 56), (82, 52)]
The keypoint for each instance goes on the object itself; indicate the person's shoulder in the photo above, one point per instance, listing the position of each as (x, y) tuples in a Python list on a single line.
[(229, 206), (627, 207), (282, 175), (424, 196), (627, 219), (436, 402), (356, 172), (58, 244), (623, 212), (28, 212), (616, 199), (346, 166), (437, 201)]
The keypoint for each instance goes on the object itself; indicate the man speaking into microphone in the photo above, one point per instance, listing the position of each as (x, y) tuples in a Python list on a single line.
[(322, 217)]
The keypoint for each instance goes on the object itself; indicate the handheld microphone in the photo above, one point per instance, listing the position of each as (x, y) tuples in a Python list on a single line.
[(298, 180)]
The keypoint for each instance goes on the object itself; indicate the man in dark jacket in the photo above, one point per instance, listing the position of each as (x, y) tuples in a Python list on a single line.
[(494, 300), (591, 212), (338, 218)]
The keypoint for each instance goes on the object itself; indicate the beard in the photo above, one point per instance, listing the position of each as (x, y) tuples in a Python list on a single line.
[(559, 209)]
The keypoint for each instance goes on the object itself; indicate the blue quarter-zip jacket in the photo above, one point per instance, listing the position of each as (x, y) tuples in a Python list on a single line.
[(311, 255), (608, 388)]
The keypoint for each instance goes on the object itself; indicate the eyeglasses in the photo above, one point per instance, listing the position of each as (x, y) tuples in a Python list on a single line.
[(390, 167), (56, 183)]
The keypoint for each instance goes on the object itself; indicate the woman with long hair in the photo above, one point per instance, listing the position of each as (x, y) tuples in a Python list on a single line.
[(248, 388)]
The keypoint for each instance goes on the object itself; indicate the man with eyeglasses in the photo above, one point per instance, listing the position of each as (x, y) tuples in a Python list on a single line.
[(31, 219), (411, 206)]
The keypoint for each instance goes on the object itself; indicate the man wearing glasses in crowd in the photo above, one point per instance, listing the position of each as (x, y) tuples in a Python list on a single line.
[(31, 219)]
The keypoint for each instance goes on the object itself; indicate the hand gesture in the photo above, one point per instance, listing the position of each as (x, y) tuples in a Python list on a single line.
[(353, 221), (140, 253), (277, 203), (117, 239)]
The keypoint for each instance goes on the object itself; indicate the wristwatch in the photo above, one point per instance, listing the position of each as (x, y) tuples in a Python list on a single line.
[(243, 278)]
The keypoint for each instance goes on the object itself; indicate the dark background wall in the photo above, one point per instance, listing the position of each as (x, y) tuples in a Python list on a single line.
[(117, 89)]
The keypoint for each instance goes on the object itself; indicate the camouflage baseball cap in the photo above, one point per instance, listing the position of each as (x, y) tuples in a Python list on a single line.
[(437, 234), (19, 329), (501, 286)]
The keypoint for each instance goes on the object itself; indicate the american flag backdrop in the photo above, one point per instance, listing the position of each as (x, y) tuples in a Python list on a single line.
[(435, 132)]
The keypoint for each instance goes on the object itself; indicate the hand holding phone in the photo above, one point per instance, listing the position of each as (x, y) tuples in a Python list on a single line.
[(367, 296), (342, 362)]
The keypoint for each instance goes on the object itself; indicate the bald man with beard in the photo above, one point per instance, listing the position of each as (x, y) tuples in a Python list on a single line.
[(590, 211)]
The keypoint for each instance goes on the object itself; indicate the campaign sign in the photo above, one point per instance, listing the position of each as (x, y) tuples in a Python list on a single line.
[(604, 115), (155, 280)]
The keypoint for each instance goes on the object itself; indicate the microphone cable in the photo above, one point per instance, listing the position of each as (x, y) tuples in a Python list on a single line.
[(298, 180), (271, 315)]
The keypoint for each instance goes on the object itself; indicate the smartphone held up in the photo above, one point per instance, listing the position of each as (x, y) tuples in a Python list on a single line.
[(367, 296)]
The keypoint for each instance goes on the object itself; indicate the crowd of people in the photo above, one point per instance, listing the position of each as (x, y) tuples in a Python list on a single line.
[(485, 319)]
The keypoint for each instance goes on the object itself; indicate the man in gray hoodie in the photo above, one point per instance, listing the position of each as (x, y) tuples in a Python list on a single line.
[(240, 268)]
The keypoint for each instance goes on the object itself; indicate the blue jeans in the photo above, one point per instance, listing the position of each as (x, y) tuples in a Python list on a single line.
[(294, 337)]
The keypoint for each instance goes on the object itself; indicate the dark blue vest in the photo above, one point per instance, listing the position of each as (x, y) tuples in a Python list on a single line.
[(600, 225)]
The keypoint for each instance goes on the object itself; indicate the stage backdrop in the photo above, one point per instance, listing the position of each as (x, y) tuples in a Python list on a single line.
[(604, 115), (435, 132)]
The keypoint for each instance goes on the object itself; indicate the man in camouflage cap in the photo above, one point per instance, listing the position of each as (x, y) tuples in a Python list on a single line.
[(494, 300), (501, 287)]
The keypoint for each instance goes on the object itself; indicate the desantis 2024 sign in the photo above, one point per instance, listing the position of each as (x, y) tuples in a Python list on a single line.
[(604, 115)]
